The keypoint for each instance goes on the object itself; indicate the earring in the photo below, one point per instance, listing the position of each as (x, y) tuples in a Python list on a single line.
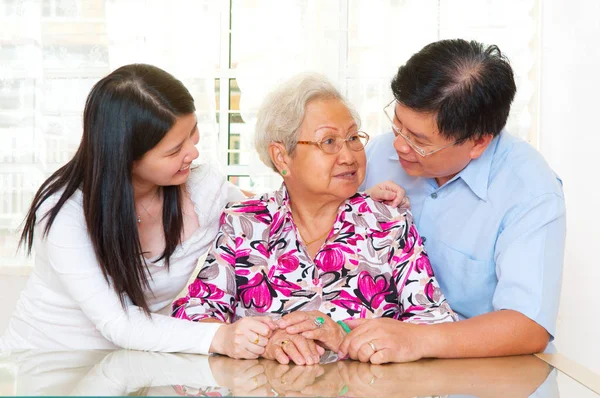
[(283, 172)]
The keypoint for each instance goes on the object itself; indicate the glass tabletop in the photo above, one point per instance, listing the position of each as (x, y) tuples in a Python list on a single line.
[(126, 372)]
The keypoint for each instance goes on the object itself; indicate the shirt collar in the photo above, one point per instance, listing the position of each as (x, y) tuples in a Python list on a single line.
[(477, 173), (282, 200)]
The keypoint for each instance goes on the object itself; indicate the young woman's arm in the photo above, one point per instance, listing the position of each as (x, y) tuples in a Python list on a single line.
[(71, 257)]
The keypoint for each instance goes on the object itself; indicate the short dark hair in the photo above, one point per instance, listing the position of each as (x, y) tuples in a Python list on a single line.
[(469, 86)]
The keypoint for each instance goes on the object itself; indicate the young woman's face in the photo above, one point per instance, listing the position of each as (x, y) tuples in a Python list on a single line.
[(168, 163)]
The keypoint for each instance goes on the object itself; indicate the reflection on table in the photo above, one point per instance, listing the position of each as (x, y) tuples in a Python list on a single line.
[(143, 373)]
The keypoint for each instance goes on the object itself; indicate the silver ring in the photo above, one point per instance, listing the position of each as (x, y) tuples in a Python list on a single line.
[(372, 346)]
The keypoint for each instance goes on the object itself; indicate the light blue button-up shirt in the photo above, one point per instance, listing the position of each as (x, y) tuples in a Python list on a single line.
[(495, 233)]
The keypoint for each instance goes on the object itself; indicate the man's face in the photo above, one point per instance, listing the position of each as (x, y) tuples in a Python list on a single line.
[(421, 129)]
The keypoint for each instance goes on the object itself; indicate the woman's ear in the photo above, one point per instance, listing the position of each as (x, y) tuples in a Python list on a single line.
[(280, 158)]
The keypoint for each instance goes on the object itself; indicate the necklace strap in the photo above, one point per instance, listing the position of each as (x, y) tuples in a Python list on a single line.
[(139, 219), (308, 243)]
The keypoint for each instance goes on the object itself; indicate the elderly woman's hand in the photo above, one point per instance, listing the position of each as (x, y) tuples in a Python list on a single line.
[(389, 193), (314, 325), (283, 346)]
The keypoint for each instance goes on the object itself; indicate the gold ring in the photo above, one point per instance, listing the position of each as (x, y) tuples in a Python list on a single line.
[(284, 342), (255, 381), (257, 338), (372, 346)]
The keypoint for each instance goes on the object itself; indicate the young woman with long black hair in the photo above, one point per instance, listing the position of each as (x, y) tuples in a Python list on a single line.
[(119, 229)]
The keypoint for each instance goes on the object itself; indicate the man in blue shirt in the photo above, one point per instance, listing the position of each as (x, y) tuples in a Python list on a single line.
[(488, 207)]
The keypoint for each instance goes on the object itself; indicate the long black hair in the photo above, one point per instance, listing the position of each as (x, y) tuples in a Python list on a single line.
[(126, 114)]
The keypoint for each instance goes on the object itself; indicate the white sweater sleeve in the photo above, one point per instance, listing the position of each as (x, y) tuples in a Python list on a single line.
[(71, 256)]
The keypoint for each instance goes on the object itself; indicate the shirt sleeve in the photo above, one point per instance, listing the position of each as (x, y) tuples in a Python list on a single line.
[(71, 255), (420, 296), (212, 294), (529, 258)]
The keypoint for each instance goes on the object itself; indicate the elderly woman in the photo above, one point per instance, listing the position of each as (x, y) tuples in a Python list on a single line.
[(315, 245)]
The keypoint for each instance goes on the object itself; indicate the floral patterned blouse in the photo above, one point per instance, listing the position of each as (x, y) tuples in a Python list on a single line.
[(372, 264)]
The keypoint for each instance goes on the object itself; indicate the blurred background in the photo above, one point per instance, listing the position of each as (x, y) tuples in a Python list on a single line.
[(230, 53)]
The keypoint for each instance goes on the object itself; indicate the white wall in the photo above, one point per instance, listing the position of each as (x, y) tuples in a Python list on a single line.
[(570, 141)]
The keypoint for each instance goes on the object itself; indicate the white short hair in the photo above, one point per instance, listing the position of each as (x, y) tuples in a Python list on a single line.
[(282, 112)]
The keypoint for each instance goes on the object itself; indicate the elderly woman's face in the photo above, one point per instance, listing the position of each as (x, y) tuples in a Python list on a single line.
[(317, 172)]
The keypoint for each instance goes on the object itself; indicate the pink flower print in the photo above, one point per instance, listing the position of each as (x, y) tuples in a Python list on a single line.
[(250, 206), (356, 200), (179, 308), (355, 239), (349, 302), (332, 258), (257, 293), (380, 234), (430, 291), (228, 255), (373, 290), (264, 218), (410, 240), (363, 206), (278, 220), (238, 241), (256, 207), (411, 311), (288, 262), (262, 249), (422, 264), (387, 226), (282, 285), (205, 291)]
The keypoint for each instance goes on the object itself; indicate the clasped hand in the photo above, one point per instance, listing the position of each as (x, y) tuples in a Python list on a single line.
[(313, 326)]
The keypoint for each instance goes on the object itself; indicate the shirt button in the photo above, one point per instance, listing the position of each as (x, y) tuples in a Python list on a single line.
[(434, 195)]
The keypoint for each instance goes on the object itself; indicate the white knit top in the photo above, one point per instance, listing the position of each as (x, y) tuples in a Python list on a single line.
[(67, 303)]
